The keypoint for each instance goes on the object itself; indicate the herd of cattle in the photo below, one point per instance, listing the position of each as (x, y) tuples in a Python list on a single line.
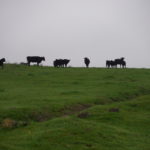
[(114, 63), (64, 62)]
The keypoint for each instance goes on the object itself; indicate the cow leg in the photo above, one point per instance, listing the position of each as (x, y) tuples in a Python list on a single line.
[(28, 63), (86, 65)]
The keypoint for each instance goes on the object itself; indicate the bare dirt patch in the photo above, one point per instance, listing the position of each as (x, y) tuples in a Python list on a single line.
[(114, 110), (75, 108), (83, 115), (10, 123), (41, 116)]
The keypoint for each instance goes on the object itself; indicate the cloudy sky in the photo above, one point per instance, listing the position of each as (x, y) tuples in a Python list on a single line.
[(74, 29)]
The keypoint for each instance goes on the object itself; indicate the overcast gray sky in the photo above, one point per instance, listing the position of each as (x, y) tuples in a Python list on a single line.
[(73, 29)]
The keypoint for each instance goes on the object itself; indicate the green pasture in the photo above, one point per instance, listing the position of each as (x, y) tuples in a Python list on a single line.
[(74, 108)]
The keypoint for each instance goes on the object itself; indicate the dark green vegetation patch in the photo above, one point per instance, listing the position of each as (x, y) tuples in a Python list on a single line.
[(44, 108)]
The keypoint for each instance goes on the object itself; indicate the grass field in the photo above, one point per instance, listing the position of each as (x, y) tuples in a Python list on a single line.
[(44, 108)]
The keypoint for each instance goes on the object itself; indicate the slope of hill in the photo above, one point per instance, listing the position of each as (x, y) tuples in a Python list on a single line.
[(45, 108)]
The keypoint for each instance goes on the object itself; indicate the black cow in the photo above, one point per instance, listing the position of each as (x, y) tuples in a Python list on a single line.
[(87, 61), (57, 63), (65, 62), (111, 63), (61, 62), (108, 63), (123, 64), (35, 59), (119, 61), (2, 62)]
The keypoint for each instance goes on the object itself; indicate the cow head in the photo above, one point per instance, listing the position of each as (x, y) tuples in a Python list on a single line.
[(43, 58), (122, 58), (3, 60)]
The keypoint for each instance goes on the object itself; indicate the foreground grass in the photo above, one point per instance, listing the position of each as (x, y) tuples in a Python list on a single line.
[(52, 100)]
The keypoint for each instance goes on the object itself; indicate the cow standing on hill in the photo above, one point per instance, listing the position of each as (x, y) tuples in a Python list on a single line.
[(35, 59), (2, 62), (87, 61), (110, 63), (66, 61), (120, 62), (123, 64), (114, 63), (61, 62)]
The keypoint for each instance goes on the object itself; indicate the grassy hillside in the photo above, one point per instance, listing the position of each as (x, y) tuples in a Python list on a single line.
[(43, 108)]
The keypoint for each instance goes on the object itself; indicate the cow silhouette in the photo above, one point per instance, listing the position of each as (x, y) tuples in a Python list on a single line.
[(61, 62), (114, 63), (87, 61), (123, 64), (111, 63), (35, 59), (2, 62), (119, 61), (108, 63)]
